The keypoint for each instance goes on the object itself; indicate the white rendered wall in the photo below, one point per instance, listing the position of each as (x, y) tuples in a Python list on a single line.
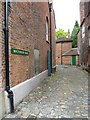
[(23, 89)]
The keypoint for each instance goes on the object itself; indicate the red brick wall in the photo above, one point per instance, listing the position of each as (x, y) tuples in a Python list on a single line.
[(77, 60), (27, 32), (58, 53), (67, 60), (39, 13), (21, 67), (53, 40), (66, 46), (85, 48), (61, 48), (2, 57), (2, 64)]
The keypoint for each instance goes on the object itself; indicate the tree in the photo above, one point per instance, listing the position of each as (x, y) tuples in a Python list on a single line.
[(61, 33), (74, 34)]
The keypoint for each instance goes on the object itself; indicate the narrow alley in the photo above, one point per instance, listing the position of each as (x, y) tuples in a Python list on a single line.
[(64, 95)]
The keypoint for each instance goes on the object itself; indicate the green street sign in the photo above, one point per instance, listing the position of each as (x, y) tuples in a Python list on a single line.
[(19, 52)]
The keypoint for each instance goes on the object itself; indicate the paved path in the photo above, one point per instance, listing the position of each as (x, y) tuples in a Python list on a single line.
[(64, 95)]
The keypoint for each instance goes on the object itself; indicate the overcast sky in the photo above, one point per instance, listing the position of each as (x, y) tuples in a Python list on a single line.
[(66, 13)]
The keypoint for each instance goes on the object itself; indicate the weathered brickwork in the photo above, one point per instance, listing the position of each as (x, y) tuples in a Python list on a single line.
[(2, 63), (67, 60), (2, 57), (53, 40), (65, 52), (61, 48), (84, 38), (77, 60), (27, 32), (66, 46), (58, 53), (0, 45)]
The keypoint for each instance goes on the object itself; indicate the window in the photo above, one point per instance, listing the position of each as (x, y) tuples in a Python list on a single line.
[(47, 29), (83, 34)]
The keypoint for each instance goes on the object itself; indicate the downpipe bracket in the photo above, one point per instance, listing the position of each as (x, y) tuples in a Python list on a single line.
[(10, 96)]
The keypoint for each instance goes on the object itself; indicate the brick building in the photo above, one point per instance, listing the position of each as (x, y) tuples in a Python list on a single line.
[(65, 54), (29, 42), (84, 35), (62, 45), (71, 57)]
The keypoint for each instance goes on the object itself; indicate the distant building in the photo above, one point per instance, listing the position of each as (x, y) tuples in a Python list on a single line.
[(62, 45), (71, 57), (65, 54)]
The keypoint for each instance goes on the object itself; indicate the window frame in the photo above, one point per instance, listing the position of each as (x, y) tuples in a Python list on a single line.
[(46, 29), (83, 33)]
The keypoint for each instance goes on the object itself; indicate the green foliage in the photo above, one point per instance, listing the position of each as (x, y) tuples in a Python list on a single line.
[(74, 34), (61, 33)]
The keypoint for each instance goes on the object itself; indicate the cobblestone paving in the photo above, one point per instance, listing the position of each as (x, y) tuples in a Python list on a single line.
[(64, 95)]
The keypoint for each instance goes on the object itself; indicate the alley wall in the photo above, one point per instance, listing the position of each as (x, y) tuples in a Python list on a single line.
[(27, 31), (84, 32)]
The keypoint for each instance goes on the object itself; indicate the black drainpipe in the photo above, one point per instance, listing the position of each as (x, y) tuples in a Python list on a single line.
[(10, 92), (50, 10)]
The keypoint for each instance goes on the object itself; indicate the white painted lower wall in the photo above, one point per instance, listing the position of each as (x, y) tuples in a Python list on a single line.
[(23, 89)]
